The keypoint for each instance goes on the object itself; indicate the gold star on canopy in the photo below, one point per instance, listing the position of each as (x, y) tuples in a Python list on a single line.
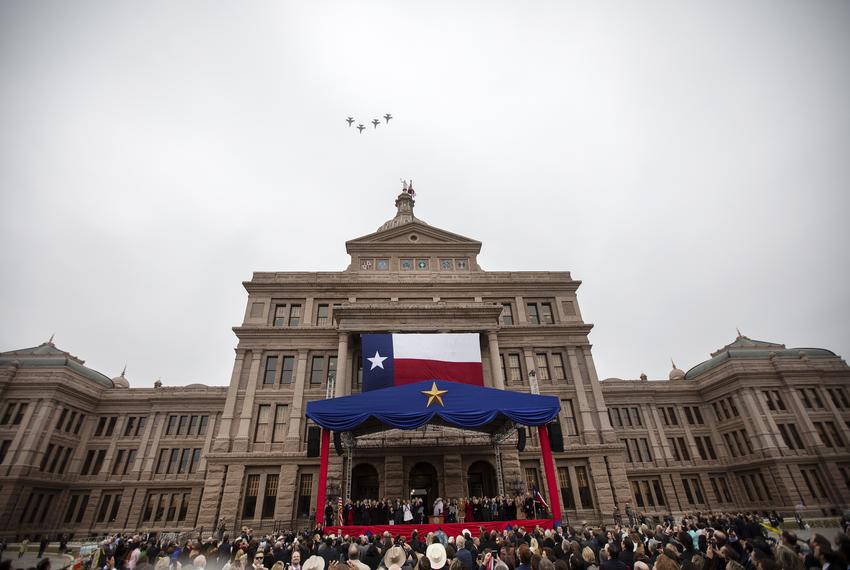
[(434, 393)]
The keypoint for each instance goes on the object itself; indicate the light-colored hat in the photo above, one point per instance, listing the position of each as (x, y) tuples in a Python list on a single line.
[(436, 554), (394, 555), (314, 563)]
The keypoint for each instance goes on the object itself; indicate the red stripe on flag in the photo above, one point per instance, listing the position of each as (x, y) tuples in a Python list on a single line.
[(410, 370)]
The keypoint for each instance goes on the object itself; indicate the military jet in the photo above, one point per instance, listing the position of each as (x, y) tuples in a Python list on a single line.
[(388, 117), (350, 120), (360, 128), (376, 122)]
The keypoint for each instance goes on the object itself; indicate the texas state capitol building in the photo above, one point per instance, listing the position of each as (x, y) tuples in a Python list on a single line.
[(756, 426)]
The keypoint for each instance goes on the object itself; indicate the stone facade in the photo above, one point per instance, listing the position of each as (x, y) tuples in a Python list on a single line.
[(757, 426)]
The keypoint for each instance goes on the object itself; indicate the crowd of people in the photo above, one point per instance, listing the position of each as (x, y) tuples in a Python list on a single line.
[(415, 511), (696, 542)]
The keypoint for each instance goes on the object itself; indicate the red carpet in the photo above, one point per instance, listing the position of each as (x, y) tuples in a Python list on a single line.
[(451, 529)]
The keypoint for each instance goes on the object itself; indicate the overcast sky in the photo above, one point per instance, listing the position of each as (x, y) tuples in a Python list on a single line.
[(689, 162)]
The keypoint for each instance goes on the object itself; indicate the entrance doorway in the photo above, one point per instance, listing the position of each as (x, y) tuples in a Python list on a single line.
[(364, 482), (481, 480), (424, 485)]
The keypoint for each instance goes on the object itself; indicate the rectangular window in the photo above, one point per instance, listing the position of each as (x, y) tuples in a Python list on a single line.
[(558, 367), (61, 419), (322, 314), (645, 453), (171, 513), (171, 426), (183, 425), (4, 449), (185, 455), (184, 507), (279, 433), (507, 314), (110, 426), (546, 313), (514, 369), (252, 487), (202, 425), (173, 461), (542, 367), (196, 459), (271, 370), (317, 370), (566, 488), (116, 503), (72, 508), (162, 462), (128, 464), (87, 462), (533, 316), (261, 431), (532, 481), (116, 465), (305, 491), (270, 497), (193, 425), (288, 367), (584, 487), (70, 423), (46, 457), (102, 508), (19, 415), (294, 315), (101, 424), (64, 463), (280, 316), (569, 418), (130, 426)]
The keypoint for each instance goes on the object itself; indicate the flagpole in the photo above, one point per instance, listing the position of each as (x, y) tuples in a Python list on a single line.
[(549, 465), (323, 477)]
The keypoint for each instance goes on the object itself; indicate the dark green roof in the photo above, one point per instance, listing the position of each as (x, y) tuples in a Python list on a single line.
[(46, 355), (744, 347)]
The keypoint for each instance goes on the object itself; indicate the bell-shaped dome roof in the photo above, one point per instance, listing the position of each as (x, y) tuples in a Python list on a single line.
[(676, 373), (121, 381)]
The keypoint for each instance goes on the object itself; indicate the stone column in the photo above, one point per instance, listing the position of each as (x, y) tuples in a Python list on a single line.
[(530, 364), (222, 441), (810, 435), (202, 466), (521, 316), (343, 384), (307, 315), (762, 434), (242, 436), (149, 466), (662, 435), (453, 475), (601, 409), (652, 433), (394, 476), (495, 360), (587, 428), (33, 428), (211, 499), (296, 413), (689, 438)]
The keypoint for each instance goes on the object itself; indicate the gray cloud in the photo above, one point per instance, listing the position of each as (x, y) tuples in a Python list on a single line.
[(687, 161)]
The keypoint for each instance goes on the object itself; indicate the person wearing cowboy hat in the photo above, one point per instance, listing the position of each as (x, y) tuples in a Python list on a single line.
[(314, 563), (395, 556), (436, 555)]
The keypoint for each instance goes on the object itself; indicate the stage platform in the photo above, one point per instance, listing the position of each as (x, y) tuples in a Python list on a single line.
[(451, 529)]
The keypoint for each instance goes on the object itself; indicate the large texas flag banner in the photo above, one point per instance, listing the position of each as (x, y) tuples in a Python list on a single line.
[(396, 359)]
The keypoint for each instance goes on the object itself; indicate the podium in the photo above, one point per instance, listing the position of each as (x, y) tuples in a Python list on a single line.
[(436, 519)]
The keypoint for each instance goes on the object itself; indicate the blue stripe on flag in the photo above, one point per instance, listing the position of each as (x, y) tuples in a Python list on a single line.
[(377, 373)]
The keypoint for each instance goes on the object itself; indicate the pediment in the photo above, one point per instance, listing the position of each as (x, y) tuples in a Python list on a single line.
[(412, 233)]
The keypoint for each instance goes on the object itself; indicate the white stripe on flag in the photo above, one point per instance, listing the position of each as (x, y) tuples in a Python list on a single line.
[(448, 347)]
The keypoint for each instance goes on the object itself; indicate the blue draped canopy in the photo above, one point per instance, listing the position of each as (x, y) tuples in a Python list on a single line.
[(432, 401)]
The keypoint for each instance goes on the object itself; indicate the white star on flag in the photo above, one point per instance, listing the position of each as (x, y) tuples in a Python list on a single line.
[(377, 361)]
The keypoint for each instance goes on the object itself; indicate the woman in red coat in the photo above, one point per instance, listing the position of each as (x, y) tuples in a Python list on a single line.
[(468, 511)]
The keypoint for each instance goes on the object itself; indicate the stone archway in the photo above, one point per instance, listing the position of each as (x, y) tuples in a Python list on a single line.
[(423, 483), (364, 482), (481, 480)]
